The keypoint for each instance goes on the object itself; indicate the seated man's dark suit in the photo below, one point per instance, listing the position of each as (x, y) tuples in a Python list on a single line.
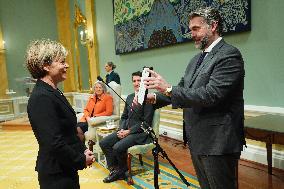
[(114, 148)]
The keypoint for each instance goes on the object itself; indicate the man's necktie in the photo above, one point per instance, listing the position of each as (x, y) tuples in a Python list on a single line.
[(133, 103), (200, 60)]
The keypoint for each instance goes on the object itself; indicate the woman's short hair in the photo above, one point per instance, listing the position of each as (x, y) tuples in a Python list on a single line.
[(102, 84), (112, 65), (41, 52)]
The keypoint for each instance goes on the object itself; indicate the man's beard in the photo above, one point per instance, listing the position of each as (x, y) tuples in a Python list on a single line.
[(203, 42)]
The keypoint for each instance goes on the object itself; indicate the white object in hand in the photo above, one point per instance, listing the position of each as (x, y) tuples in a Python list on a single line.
[(142, 89)]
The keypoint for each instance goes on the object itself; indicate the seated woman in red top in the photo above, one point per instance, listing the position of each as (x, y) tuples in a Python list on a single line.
[(99, 104)]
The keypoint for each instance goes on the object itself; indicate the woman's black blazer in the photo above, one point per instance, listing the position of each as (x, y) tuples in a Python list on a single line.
[(53, 121)]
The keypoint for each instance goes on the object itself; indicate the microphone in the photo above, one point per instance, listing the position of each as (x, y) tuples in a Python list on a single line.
[(141, 119), (101, 79)]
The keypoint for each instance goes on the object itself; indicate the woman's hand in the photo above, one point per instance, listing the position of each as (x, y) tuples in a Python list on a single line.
[(90, 158), (88, 119)]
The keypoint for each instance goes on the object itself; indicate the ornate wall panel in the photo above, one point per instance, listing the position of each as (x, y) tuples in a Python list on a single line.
[(144, 24)]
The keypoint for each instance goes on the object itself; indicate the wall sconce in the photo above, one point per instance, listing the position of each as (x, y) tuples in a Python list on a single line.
[(85, 39), (2, 46)]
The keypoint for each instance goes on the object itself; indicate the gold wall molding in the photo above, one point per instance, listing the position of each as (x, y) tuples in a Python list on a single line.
[(65, 37), (65, 27), (13, 107), (93, 57), (3, 69), (79, 20), (6, 107)]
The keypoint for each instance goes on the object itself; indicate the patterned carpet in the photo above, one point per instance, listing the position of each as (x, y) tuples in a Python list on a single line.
[(18, 151), (168, 178)]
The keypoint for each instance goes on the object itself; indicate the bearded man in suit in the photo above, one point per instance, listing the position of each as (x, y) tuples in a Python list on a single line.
[(211, 96)]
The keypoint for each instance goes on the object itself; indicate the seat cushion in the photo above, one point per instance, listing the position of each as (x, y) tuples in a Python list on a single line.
[(140, 149)]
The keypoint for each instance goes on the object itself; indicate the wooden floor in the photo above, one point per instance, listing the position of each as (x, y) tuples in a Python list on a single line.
[(251, 175), (21, 123)]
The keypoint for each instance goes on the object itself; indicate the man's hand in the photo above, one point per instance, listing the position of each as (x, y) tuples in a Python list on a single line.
[(90, 158), (151, 98), (119, 133), (123, 133), (156, 81), (135, 100)]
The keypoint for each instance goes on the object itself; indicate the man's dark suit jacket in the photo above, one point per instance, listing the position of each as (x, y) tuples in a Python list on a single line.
[(113, 76), (54, 125), (212, 100), (130, 120)]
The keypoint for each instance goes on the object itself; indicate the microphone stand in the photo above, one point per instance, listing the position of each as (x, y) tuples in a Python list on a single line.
[(157, 149), (101, 79)]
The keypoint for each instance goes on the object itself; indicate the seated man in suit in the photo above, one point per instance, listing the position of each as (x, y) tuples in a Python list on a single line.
[(129, 134)]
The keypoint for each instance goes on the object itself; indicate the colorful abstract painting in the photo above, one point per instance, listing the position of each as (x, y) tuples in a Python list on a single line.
[(145, 24)]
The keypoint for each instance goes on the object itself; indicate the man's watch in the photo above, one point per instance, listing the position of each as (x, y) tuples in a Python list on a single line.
[(168, 91)]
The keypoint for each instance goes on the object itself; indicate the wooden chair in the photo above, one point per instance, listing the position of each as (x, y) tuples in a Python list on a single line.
[(142, 149)]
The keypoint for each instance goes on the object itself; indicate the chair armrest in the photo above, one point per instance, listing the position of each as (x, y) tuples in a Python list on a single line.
[(95, 122), (79, 115), (101, 121)]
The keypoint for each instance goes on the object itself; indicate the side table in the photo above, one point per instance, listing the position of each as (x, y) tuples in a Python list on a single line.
[(102, 132)]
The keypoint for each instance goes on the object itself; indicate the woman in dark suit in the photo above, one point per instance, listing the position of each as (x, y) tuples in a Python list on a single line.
[(61, 153), (111, 75)]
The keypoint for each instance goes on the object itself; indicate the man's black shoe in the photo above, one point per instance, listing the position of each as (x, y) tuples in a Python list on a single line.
[(115, 175), (111, 171)]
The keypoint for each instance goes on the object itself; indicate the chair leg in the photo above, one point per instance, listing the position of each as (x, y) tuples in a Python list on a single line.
[(130, 180), (140, 159)]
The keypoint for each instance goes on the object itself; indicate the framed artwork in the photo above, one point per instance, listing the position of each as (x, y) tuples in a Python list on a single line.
[(146, 24)]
